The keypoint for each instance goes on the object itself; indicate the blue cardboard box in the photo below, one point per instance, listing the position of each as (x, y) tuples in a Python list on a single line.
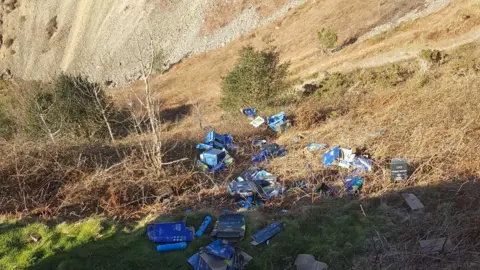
[(213, 156), (171, 232)]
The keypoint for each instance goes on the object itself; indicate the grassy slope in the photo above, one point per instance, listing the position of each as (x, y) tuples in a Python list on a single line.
[(334, 232), (431, 119)]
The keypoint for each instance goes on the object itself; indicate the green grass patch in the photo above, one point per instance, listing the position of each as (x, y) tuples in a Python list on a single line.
[(333, 233)]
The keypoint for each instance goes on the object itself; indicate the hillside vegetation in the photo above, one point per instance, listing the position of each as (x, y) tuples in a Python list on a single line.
[(84, 168)]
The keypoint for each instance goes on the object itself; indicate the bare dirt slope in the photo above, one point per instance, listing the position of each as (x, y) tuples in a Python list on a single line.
[(97, 38)]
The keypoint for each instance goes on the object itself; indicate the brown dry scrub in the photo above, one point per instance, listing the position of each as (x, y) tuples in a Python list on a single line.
[(72, 179), (226, 11), (431, 118)]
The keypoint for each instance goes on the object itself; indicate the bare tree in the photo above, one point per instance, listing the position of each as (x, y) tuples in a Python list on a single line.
[(150, 105)]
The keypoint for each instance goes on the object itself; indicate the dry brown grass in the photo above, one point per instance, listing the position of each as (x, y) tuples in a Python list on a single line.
[(197, 80), (225, 12)]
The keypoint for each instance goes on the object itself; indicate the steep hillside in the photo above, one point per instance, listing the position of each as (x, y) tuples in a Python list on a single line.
[(99, 38), (389, 79)]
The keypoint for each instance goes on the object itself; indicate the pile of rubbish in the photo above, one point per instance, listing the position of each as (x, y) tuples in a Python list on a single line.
[(223, 253), (213, 155), (346, 158), (278, 122), (252, 188), (255, 183)]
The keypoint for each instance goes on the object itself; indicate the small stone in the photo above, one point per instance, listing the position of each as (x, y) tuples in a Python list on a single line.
[(35, 237)]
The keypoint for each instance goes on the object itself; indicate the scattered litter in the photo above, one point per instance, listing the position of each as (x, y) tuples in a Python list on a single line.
[(308, 262), (219, 255), (331, 156), (279, 122), (250, 112), (270, 151), (435, 245), (172, 247), (353, 185), (230, 227), (316, 146), (257, 121), (255, 182), (170, 232), (204, 226), (399, 168), (284, 211), (220, 249), (258, 142), (188, 211), (213, 155), (249, 204), (219, 141), (346, 158), (413, 201), (267, 233)]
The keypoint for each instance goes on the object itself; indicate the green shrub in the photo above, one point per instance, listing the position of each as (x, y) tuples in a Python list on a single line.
[(80, 103), (327, 38), (432, 56), (255, 81), (394, 74), (335, 82)]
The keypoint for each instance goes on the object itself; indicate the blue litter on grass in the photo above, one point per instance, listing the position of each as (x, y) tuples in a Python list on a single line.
[(250, 112), (330, 157), (202, 146), (219, 141), (269, 151), (353, 184), (267, 233), (169, 232), (220, 249), (204, 226), (316, 146), (198, 263), (214, 157), (279, 122), (172, 247)]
